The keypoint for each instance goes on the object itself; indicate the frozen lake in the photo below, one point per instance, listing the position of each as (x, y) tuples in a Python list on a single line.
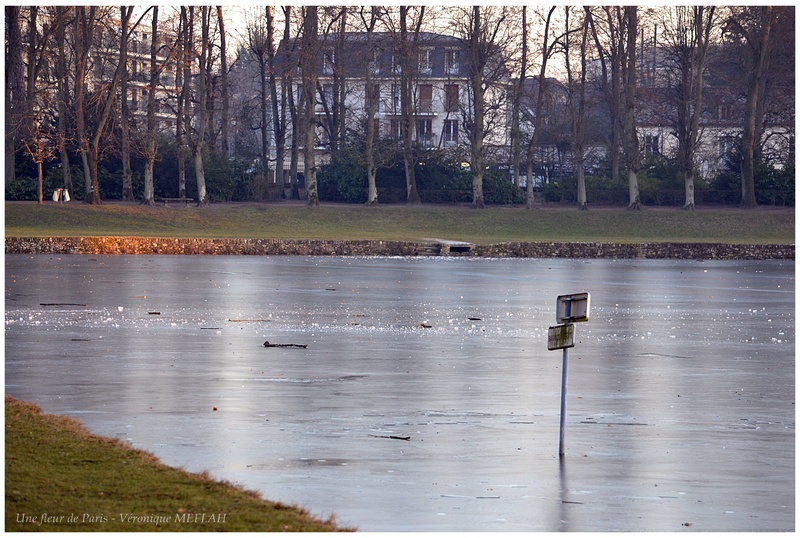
[(426, 399)]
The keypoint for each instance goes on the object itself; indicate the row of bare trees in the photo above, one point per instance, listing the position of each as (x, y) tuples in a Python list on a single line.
[(70, 86), (80, 98)]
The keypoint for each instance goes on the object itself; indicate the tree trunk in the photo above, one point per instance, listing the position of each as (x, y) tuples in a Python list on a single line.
[(579, 121), (83, 43), (582, 201), (127, 173), (759, 45), (278, 105), (14, 88), (529, 172), (223, 66), (150, 152), (631, 138), (576, 98), (181, 78), (407, 107), (372, 189), (200, 171), (62, 92), (41, 181), (288, 94), (202, 114), (477, 63), (309, 69), (264, 106)]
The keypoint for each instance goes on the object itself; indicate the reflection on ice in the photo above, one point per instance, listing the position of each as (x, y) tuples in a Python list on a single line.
[(426, 398)]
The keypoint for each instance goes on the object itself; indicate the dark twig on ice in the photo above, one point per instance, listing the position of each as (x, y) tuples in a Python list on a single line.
[(398, 437), (299, 346)]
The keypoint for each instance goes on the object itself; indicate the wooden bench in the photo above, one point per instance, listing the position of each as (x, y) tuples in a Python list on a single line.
[(185, 201)]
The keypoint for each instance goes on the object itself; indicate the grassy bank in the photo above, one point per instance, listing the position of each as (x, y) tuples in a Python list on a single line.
[(61, 478), (332, 221)]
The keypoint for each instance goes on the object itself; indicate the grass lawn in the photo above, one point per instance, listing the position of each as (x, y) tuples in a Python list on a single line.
[(61, 478), (291, 220)]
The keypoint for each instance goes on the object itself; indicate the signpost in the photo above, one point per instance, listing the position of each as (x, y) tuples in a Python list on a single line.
[(569, 310)]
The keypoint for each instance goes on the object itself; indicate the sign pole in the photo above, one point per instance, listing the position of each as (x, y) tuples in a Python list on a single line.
[(565, 356), (563, 403), (569, 309)]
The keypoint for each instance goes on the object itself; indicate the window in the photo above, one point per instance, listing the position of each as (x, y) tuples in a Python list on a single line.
[(396, 127), (327, 94), (726, 146), (375, 64), (395, 63), (424, 132), (726, 112), (323, 139), (375, 96), (396, 98), (328, 59), (425, 60), (425, 94), (651, 145), (451, 61), (451, 97), (451, 131)]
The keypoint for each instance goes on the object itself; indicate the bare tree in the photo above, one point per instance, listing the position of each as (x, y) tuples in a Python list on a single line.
[(62, 92), (606, 33), (687, 32), (295, 108), (371, 97), (202, 88), (150, 149), (576, 95), (546, 51), (754, 25), (484, 32), (516, 101), (259, 44), (102, 101), (407, 49), (334, 59), (32, 112), (182, 75), (38, 145), (223, 68), (278, 105)]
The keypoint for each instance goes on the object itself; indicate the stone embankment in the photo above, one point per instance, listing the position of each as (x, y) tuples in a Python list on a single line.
[(311, 247)]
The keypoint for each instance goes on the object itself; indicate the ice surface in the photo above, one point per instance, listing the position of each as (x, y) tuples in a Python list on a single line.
[(426, 399)]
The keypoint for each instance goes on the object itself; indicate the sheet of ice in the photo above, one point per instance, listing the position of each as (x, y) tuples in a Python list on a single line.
[(426, 399)]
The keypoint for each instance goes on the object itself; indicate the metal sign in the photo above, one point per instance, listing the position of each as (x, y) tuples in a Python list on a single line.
[(572, 308), (569, 309), (561, 336)]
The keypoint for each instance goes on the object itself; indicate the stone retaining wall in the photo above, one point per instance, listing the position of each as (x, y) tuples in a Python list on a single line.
[(311, 247)]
